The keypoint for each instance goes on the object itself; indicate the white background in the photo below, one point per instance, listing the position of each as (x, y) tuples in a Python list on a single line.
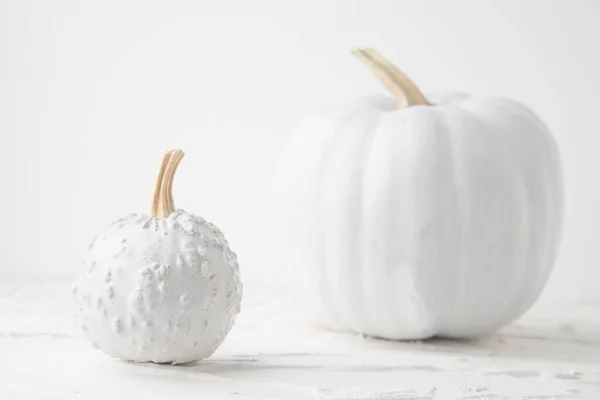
[(93, 93)]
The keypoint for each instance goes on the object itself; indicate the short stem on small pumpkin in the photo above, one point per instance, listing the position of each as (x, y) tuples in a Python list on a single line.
[(162, 202), (405, 91)]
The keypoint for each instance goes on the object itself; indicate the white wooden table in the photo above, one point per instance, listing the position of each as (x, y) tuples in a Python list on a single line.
[(552, 353)]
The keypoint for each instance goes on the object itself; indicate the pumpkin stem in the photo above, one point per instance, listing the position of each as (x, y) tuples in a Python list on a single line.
[(162, 203), (395, 81)]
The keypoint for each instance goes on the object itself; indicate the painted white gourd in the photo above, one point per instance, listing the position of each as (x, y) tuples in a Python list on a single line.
[(408, 219), (163, 288)]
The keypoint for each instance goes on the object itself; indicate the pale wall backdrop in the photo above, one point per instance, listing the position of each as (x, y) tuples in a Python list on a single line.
[(93, 93)]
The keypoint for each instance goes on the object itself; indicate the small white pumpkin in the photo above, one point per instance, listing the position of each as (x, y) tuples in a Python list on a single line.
[(162, 288), (410, 219)]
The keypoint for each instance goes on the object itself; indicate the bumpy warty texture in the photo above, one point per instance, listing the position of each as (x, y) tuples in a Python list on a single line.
[(158, 290)]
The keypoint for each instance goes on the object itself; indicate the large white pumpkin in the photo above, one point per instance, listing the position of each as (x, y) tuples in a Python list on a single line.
[(405, 219)]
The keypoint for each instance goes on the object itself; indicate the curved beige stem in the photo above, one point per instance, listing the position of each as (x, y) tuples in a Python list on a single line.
[(395, 81), (162, 202)]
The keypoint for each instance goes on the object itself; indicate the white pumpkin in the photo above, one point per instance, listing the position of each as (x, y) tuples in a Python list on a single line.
[(162, 288), (408, 219)]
